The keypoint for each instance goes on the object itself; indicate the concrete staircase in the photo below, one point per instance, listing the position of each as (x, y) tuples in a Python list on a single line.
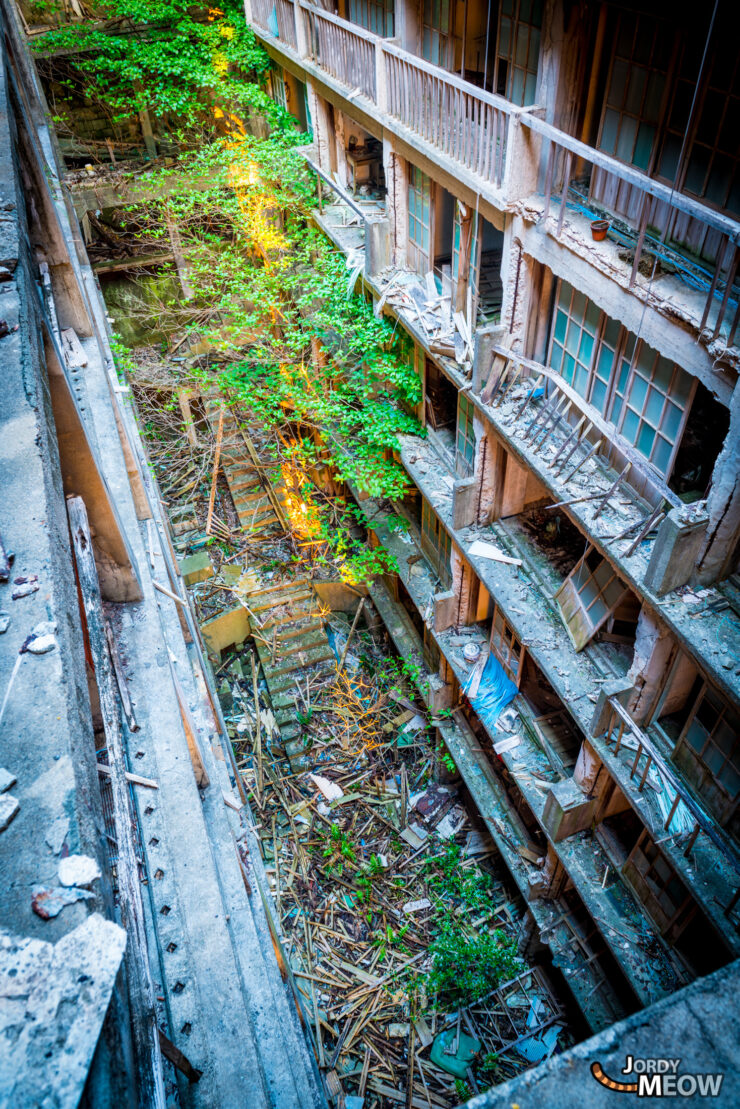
[(257, 500), (287, 626)]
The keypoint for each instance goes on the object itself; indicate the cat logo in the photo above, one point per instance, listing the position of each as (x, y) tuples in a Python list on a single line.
[(658, 1078)]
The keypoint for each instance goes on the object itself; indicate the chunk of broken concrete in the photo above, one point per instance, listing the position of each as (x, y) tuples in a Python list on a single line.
[(6, 779), (58, 995), (9, 807), (78, 870), (47, 902), (24, 587), (4, 622), (57, 834), (41, 644)]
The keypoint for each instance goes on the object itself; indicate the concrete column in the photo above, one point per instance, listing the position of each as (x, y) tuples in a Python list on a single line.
[(720, 555), (301, 35), (484, 341), (676, 550), (394, 167), (323, 134), (378, 246)]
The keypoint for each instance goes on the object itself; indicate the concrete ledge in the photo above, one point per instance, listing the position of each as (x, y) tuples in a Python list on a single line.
[(700, 1025)]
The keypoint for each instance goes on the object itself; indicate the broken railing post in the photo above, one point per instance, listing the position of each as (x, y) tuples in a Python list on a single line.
[(140, 989)]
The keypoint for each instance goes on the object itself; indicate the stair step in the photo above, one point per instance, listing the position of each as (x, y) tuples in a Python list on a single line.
[(281, 598), (299, 662)]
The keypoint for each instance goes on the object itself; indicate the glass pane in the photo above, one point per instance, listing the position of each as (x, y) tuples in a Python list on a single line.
[(568, 365), (598, 396), (530, 89), (645, 440), (654, 406), (635, 89), (662, 455), (663, 374), (638, 392), (555, 357), (631, 424), (580, 381), (671, 421), (618, 84), (626, 140), (561, 323), (604, 363), (593, 315), (643, 146), (585, 350), (574, 336), (517, 86), (521, 46)]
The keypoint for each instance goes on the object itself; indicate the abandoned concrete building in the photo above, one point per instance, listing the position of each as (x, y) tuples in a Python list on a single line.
[(541, 198)]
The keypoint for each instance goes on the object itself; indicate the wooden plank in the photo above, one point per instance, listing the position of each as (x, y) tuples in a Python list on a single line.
[(140, 988)]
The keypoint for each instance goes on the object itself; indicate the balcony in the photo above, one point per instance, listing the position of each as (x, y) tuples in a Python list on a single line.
[(677, 253), (430, 108)]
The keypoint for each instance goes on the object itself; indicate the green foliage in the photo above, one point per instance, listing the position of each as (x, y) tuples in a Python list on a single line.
[(338, 850), (170, 58), (465, 966), (456, 883)]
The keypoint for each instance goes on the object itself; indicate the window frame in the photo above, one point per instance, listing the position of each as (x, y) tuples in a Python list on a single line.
[(626, 354), (507, 647), (436, 543), (570, 601), (518, 25), (465, 431), (683, 743), (373, 15), (419, 190)]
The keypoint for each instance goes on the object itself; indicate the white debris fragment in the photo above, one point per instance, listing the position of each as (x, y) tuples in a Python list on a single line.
[(6, 779), (4, 622), (42, 644), (330, 790), (9, 807), (78, 870)]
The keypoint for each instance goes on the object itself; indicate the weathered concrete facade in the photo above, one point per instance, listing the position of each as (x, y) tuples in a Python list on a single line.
[(109, 732), (549, 480)]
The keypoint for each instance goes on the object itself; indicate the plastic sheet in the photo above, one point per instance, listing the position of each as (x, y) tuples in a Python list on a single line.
[(495, 692)]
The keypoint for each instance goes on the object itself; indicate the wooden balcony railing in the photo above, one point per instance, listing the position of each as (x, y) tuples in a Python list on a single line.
[(278, 17), (671, 231), (337, 47), (467, 124)]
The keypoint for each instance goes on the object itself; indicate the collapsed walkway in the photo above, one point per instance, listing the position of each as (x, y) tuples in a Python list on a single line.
[(365, 846)]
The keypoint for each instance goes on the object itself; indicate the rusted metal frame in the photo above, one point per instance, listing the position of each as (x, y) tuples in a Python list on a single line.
[(548, 177), (579, 439), (645, 206), (564, 193), (715, 278), (728, 288)]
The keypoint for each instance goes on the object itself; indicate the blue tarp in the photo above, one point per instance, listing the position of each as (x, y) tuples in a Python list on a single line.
[(495, 692)]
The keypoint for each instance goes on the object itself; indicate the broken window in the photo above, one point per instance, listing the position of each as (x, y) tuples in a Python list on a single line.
[(706, 734), (420, 217), (643, 394), (465, 436), (518, 51), (662, 892), (636, 85), (437, 40), (373, 15), (436, 544), (276, 84), (590, 595), (506, 647)]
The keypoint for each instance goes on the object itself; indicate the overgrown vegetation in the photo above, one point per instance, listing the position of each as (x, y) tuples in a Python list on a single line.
[(279, 326)]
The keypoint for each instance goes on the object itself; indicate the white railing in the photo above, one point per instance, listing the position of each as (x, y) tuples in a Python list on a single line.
[(341, 50), (663, 223), (278, 18), (467, 124)]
